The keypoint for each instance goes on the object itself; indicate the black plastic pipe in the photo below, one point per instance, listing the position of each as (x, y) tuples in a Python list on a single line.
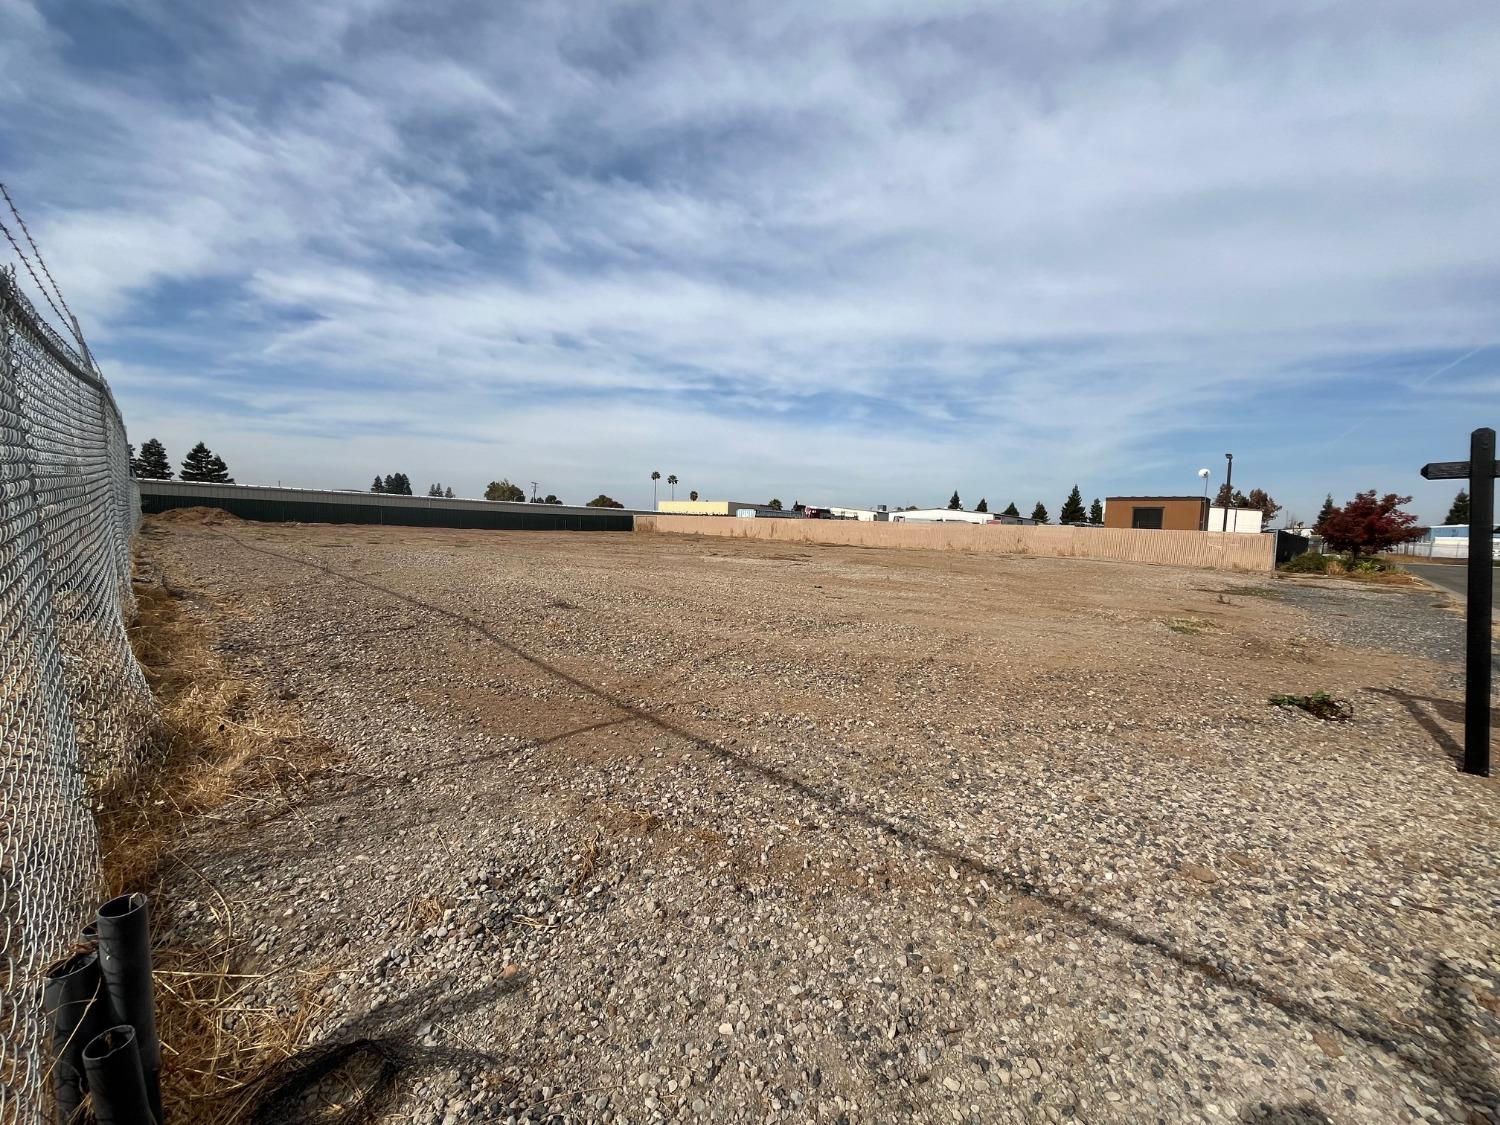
[(125, 962), (77, 1009), (117, 1085)]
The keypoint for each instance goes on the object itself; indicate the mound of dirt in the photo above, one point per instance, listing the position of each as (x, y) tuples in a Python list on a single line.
[(197, 515)]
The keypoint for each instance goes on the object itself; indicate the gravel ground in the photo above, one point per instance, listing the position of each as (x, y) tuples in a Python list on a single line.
[(632, 828)]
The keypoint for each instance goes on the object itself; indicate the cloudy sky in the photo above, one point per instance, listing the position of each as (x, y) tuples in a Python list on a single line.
[(851, 251)]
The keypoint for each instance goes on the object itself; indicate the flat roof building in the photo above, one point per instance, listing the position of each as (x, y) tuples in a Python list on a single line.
[(942, 515), (1157, 513), (702, 507)]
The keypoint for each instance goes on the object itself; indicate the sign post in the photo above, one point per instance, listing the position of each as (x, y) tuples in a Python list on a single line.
[(1480, 470)]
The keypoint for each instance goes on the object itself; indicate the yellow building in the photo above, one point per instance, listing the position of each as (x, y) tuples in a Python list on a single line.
[(701, 507)]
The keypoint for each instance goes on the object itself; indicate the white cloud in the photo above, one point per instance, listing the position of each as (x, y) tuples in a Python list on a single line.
[(1023, 243)]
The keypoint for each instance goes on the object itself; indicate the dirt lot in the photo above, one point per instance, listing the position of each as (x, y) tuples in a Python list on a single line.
[(624, 828)]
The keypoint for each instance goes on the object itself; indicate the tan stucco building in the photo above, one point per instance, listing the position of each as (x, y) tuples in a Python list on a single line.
[(1156, 513)]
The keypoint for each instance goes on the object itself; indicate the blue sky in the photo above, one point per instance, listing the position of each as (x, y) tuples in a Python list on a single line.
[(851, 252)]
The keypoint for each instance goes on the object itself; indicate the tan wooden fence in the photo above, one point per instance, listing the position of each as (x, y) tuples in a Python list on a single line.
[(1208, 549)]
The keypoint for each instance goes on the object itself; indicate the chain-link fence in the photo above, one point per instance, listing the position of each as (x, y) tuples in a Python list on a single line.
[(74, 705)]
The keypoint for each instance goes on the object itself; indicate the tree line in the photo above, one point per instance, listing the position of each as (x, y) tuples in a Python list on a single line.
[(1071, 512), (201, 464)]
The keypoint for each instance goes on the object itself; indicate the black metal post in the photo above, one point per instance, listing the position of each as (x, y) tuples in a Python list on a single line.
[(1481, 600), (1228, 490), (125, 962), (77, 1010), (117, 1087)]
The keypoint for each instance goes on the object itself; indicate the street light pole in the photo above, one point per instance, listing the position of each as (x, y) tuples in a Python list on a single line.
[(1228, 487)]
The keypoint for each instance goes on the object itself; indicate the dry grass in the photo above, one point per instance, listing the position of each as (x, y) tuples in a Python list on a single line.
[(218, 739)]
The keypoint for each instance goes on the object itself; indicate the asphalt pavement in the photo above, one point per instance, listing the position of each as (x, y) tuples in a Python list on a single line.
[(1452, 577)]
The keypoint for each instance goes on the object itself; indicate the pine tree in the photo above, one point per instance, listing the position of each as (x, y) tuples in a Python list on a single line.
[(1012, 510), (1096, 512), (1039, 513), (1326, 510), (202, 464), (982, 506), (1072, 509), (379, 485), (152, 464), (954, 503), (403, 485), (435, 490), (448, 493), (1459, 513)]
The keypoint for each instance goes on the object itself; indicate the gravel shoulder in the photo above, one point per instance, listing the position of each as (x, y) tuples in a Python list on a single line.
[(636, 828)]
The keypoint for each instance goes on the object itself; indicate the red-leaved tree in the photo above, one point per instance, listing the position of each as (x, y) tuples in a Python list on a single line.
[(1367, 525)]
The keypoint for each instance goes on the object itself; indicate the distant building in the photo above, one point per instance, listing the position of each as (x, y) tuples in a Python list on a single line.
[(1246, 520), (753, 511), (1157, 513), (868, 515), (942, 515), (701, 507), (1446, 541)]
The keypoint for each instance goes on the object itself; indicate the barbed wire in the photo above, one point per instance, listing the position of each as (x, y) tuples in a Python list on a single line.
[(42, 262), (25, 261)]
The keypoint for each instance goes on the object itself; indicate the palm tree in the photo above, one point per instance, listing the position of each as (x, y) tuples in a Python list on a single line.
[(672, 480), (655, 476)]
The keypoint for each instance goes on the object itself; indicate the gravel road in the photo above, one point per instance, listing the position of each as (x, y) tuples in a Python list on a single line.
[(635, 828)]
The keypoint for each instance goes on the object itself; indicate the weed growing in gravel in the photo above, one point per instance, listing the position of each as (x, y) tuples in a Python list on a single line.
[(1190, 627), (1320, 704), (218, 739), (1267, 592)]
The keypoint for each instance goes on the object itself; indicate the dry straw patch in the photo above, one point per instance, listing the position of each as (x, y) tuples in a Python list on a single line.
[(219, 740)]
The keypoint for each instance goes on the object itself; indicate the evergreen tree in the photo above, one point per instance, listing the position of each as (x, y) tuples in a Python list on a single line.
[(603, 501), (379, 485), (1072, 509), (1096, 512), (774, 504), (982, 506), (448, 493), (152, 464), (202, 464), (403, 485), (954, 503), (1326, 510), (1039, 513), (435, 490), (1459, 513), (1012, 510), (693, 495)]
